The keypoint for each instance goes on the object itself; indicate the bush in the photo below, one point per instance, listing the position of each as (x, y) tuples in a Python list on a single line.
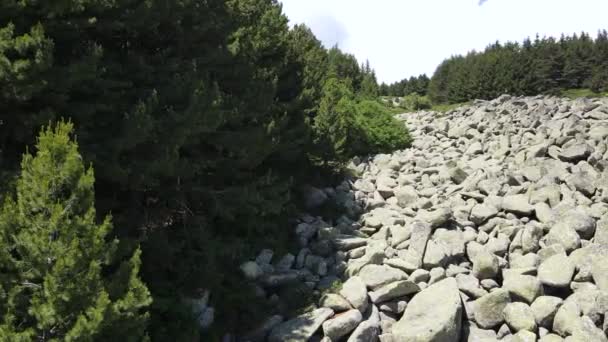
[(381, 131), (415, 102)]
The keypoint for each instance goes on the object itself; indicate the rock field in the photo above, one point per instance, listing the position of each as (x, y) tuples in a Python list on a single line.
[(492, 227)]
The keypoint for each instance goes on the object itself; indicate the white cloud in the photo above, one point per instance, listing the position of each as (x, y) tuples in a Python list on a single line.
[(402, 38)]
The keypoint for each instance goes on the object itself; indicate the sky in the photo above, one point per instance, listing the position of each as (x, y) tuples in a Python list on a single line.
[(403, 38)]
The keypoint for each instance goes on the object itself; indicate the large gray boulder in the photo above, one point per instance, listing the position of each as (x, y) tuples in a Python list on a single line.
[(433, 315), (355, 292), (393, 290), (556, 271), (519, 317), (523, 287), (300, 328), (374, 276), (482, 212), (489, 308), (517, 204), (342, 324), (544, 309)]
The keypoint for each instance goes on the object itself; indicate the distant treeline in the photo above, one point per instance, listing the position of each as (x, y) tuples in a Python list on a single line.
[(542, 65), (414, 85)]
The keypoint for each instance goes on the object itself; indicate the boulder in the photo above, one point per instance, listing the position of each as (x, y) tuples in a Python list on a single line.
[(556, 271), (355, 292), (489, 308), (482, 212), (300, 328), (335, 302), (393, 290), (433, 315), (519, 317), (544, 309), (523, 287), (342, 324), (517, 204), (374, 276)]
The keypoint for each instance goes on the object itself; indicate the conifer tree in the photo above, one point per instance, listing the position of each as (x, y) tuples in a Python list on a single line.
[(335, 125), (59, 282)]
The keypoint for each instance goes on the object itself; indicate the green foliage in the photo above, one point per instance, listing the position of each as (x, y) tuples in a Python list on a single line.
[(414, 102), (335, 125), (200, 118), (382, 132), (59, 283), (414, 85), (345, 67), (542, 66)]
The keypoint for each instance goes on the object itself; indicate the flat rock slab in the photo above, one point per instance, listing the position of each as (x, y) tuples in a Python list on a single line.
[(393, 290), (374, 276), (517, 204), (433, 315), (300, 328)]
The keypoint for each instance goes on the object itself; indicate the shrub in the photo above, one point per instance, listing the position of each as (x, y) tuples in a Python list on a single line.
[(415, 102), (381, 131)]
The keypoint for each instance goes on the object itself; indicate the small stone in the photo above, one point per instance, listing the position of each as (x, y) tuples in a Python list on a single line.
[(251, 270), (457, 175), (436, 274), (335, 302), (348, 243), (489, 284), (264, 257), (419, 276), (470, 286), (485, 265)]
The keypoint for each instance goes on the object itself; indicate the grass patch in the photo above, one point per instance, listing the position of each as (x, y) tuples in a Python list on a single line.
[(578, 93)]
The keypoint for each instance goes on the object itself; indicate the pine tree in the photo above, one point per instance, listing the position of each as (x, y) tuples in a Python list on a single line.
[(335, 125), (599, 79), (60, 283), (369, 86)]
